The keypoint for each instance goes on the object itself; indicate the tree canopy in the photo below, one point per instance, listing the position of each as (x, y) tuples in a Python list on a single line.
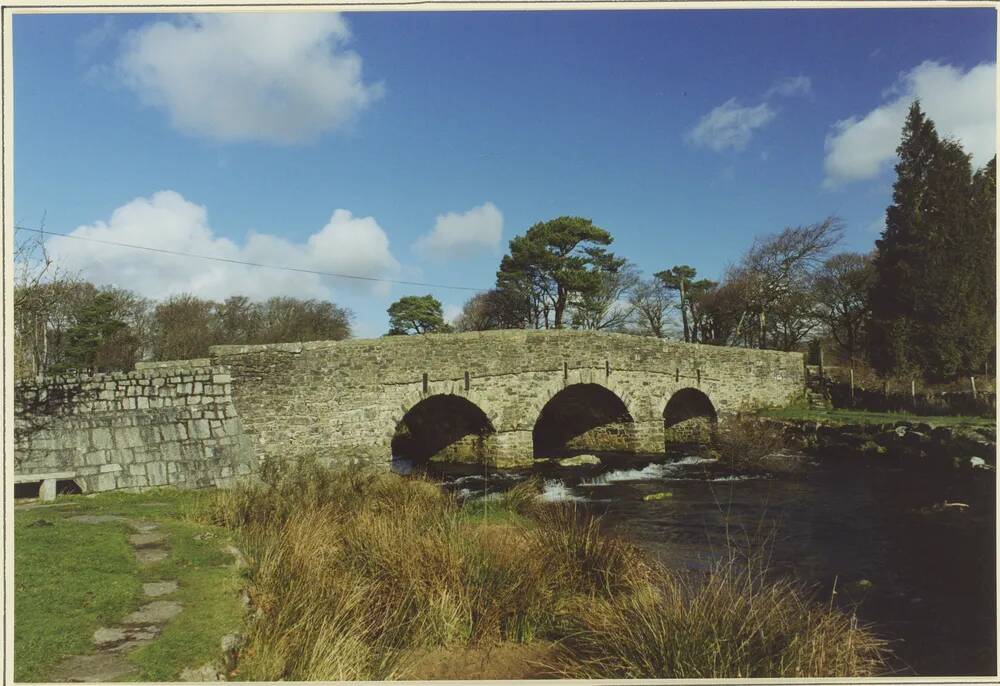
[(414, 314), (552, 261)]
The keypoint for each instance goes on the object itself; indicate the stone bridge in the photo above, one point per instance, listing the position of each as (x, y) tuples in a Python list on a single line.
[(505, 397)]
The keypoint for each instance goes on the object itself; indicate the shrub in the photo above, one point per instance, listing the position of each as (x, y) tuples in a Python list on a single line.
[(744, 444)]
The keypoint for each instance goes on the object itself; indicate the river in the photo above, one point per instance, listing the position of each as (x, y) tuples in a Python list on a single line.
[(925, 577)]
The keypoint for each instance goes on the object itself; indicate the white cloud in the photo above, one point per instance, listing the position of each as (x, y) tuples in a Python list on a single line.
[(962, 106), (790, 86), (458, 234), (346, 244), (730, 125), (279, 78)]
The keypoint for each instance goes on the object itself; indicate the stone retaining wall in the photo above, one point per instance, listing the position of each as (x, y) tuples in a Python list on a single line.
[(170, 423)]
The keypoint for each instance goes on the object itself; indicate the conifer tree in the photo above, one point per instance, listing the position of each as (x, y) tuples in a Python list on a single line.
[(934, 261)]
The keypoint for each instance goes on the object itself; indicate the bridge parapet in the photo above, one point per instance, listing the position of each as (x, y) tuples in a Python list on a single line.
[(347, 398)]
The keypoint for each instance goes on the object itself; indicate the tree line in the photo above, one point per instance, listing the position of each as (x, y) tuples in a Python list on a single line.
[(922, 302), (63, 323)]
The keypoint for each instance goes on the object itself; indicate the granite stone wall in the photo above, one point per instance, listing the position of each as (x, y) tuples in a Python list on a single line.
[(164, 424)]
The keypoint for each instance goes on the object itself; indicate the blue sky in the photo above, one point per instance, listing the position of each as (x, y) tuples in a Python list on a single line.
[(414, 145)]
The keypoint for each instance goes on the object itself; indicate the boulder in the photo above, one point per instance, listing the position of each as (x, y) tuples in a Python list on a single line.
[(579, 460)]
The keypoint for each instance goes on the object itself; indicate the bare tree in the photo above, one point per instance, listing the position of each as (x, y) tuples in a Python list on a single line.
[(775, 270), (842, 286), (651, 300), (607, 307)]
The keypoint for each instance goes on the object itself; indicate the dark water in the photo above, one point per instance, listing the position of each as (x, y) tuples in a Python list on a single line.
[(925, 577)]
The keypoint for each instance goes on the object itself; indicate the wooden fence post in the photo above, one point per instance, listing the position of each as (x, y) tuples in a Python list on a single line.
[(852, 383), (973, 380), (913, 392)]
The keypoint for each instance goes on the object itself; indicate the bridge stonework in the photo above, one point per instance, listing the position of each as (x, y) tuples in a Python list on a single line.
[(347, 400)]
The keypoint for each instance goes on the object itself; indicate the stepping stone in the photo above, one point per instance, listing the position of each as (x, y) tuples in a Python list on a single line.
[(143, 527), (97, 519), (146, 540), (91, 668), (158, 588), (124, 638), (149, 556), (156, 612)]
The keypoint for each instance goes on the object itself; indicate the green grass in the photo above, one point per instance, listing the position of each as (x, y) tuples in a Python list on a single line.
[(73, 578), (69, 580), (865, 417)]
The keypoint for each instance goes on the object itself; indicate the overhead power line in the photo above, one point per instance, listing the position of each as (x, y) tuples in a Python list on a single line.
[(227, 260)]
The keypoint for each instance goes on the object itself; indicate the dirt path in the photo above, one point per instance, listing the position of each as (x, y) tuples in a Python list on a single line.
[(108, 661)]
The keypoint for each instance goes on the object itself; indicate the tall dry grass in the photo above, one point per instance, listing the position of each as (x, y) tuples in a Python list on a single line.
[(352, 574)]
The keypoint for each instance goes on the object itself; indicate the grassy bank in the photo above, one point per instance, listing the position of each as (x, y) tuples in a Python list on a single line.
[(865, 417), (72, 578), (372, 576)]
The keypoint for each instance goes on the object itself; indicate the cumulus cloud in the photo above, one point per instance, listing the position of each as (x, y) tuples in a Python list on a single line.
[(730, 125), (278, 78), (167, 221), (962, 105), (459, 234)]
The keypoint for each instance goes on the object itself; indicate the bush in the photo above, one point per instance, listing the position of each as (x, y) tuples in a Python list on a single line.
[(744, 443)]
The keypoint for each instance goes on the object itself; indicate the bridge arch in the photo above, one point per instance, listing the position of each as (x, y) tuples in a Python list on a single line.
[(444, 426), (583, 417), (689, 417)]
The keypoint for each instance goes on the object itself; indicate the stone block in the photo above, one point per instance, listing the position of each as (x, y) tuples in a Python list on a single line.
[(156, 472), (100, 438)]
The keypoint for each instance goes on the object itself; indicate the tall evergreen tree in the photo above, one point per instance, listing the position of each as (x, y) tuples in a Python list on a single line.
[(893, 299), (931, 269)]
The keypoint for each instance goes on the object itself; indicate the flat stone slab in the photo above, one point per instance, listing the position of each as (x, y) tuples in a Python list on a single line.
[(143, 527), (97, 519), (92, 668), (123, 637), (146, 540), (156, 612), (158, 588), (149, 556)]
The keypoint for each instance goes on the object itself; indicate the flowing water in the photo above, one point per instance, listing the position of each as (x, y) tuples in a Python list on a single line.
[(873, 536)]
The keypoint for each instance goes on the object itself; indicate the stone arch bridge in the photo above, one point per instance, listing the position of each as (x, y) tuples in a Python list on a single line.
[(505, 397)]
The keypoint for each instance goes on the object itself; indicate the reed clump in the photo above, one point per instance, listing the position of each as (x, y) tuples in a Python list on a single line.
[(352, 574)]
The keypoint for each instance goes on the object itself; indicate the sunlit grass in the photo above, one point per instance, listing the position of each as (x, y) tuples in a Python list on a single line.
[(372, 569), (865, 417)]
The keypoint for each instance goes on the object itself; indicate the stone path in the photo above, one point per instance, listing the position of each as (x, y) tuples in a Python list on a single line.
[(108, 662)]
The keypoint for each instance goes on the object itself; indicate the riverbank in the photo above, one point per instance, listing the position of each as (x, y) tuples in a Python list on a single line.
[(933, 442)]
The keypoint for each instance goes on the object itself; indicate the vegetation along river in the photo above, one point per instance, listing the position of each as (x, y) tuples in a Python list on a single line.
[(868, 535)]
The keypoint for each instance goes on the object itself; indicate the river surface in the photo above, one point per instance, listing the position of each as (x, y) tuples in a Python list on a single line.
[(925, 577)]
